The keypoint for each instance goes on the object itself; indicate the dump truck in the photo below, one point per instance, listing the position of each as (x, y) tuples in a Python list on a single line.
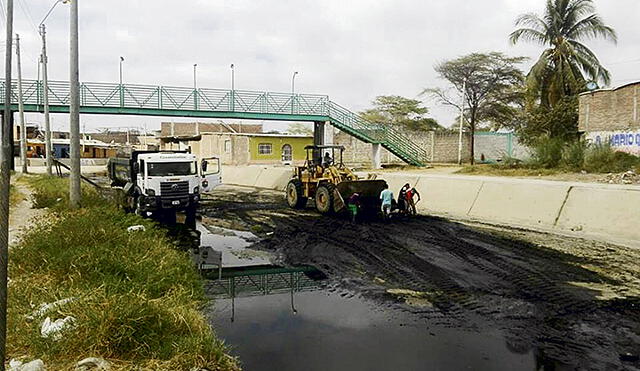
[(325, 179), (161, 183)]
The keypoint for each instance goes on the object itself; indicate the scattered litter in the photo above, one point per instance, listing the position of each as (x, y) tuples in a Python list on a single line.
[(44, 308), (93, 363), (35, 365), (628, 177), (135, 228), (269, 233), (54, 329), (58, 199)]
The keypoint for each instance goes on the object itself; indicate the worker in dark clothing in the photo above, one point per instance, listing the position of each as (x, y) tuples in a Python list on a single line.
[(353, 204), (402, 198), (327, 160)]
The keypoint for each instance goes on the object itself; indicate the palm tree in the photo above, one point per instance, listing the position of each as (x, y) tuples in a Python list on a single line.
[(564, 68)]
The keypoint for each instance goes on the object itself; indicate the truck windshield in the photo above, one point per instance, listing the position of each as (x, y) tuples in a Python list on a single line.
[(171, 168)]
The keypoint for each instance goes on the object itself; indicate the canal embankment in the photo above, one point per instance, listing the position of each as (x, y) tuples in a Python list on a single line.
[(131, 297)]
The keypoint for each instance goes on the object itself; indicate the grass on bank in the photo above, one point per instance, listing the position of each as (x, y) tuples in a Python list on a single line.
[(15, 196), (138, 298), (552, 156)]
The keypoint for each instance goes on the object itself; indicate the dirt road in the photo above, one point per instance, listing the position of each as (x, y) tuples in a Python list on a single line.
[(574, 302)]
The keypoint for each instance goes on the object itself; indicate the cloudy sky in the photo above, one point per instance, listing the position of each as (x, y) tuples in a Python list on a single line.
[(351, 50)]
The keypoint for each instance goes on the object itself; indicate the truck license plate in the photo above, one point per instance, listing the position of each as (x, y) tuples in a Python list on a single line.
[(175, 202)]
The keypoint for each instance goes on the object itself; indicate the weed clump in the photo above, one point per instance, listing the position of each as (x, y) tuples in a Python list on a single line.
[(137, 298)]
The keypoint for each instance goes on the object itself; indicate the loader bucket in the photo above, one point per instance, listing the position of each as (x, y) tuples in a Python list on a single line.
[(369, 191)]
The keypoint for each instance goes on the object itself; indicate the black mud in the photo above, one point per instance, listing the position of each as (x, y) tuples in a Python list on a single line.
[(464, 277)]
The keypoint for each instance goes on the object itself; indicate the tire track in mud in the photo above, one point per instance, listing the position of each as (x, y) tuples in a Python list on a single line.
[(471, 278)]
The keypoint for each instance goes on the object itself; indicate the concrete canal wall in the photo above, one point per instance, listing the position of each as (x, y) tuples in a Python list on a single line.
[(591, 210)]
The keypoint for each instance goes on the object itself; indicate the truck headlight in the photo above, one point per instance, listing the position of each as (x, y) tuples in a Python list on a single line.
[(151, 193)]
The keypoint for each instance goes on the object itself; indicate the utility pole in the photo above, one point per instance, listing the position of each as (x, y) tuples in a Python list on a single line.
[(5, 178), (233, 88), (75, 196), (23, 131), (464, 89), (48, 148)]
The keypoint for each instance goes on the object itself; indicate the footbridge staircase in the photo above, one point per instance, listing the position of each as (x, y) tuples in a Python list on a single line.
[(153, 100)]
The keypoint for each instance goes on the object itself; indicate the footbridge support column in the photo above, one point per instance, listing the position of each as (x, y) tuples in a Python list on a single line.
[(376, 150), (322, 136)]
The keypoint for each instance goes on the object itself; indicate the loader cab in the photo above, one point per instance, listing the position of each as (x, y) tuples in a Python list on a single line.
[(323, 157)]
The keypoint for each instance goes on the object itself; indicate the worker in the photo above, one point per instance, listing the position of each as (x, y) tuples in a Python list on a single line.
[(403, 206), (353, 204), (327, 160), (386, 196), (411, 203)]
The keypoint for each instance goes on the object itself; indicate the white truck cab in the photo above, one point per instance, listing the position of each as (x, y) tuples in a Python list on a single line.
[(165, 181)]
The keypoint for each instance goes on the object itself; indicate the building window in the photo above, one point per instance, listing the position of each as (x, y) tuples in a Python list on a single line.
[(227, 146), (265, 149), (287, 153)]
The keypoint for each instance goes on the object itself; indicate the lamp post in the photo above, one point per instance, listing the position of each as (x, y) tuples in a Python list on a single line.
[(121, 86), (233, 88), (195, 86), (293, 91)]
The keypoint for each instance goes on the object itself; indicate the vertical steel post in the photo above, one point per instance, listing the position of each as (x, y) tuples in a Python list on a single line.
[(23, 131), (121, 86), (5, 177), (44, 59), (75, 196), (233, 88), (195, 86)]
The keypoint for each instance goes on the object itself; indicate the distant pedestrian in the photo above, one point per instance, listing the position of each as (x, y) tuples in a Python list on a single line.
[(403, 206), (386, 196), (353, 204)]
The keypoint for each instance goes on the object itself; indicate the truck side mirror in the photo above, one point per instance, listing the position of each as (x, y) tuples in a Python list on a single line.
[(136, 167), (204, 166)]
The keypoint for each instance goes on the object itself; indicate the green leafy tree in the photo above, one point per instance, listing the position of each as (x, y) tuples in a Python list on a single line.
[(492, 89), (399, 111), (299, 128), (558, 122), (564, 68)]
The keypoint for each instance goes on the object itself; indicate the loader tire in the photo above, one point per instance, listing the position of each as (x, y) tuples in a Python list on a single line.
[(294, 195), (324, 198)]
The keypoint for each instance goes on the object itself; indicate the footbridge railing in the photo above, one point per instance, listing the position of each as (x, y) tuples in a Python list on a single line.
[(154, 100)]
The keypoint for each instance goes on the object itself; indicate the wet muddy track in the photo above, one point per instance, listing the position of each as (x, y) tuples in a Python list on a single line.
[(471, 278)]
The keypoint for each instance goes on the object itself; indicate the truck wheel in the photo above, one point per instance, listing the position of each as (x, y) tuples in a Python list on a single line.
[(324, 198), (190, 216), (295, 196)]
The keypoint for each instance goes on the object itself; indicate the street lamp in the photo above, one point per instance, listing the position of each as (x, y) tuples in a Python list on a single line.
[(121, 61), (233, 88), (195, 85), (293, 82), (48, 150)]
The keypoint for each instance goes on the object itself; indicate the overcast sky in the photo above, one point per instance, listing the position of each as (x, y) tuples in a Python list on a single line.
[(351, 50)]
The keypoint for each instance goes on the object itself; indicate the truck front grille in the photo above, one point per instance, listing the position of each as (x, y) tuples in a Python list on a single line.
[(174, 189)]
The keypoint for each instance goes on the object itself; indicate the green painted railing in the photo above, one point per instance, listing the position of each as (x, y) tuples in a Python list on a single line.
[(202, 102)]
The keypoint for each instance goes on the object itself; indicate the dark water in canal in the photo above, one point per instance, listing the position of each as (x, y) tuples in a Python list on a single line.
[(327, 331), (271, 326)]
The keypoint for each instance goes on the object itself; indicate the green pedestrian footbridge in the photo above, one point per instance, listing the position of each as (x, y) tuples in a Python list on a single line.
[(149, 100)]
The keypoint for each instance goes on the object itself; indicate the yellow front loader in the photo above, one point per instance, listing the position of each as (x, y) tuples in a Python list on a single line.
[(326, 180)]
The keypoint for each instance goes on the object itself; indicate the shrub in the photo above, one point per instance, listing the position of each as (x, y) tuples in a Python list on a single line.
[(53, 192), (573, 155), (548, 153), (603, 159)]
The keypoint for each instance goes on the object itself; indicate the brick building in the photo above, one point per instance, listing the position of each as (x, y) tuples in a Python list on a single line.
[(613, 116)]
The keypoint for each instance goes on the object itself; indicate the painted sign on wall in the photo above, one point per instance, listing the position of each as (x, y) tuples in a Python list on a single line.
[(623, 141)]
